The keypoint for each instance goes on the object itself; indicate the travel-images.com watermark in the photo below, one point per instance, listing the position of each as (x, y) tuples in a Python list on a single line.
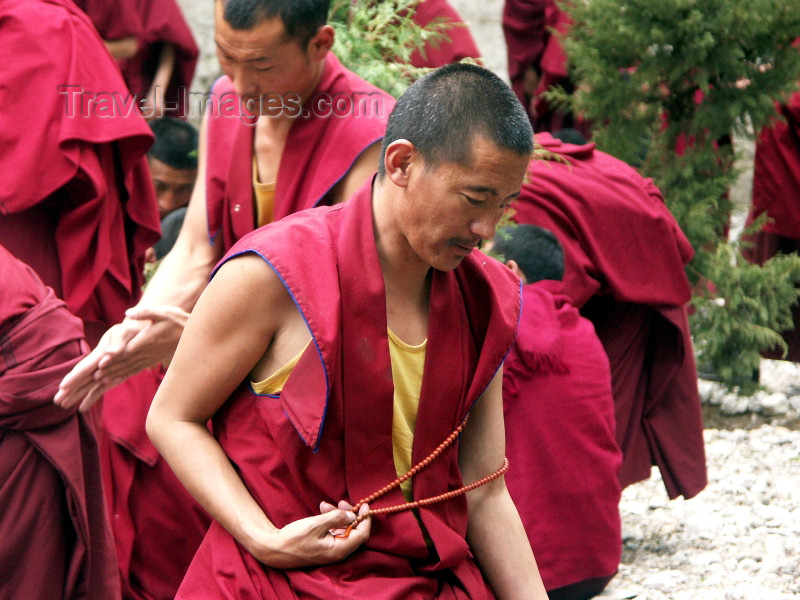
[(79, 102)]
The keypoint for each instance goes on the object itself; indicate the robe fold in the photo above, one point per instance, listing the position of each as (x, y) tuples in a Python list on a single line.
[(327, 435), (322, 145), (76, 201), (776, 185), (163, 23), (460, 43), (624, 258), (559, 415), (55, 539), (113, 19)]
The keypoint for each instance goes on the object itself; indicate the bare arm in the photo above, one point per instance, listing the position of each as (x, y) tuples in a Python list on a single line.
[(495, 532), (154, 106), (366, 164), (122, 48), (151, 330), (238, 316)]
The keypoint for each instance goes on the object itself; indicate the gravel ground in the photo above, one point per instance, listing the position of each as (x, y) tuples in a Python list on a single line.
[(739, 539)]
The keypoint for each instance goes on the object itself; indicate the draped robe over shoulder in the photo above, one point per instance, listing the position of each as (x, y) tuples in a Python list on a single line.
[(327, 435), (76, 200), (624, 259), (55, 539), (559, 416)]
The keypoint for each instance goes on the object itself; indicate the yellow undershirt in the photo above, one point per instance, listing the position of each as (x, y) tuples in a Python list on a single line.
[(408, 363), (264, 195)]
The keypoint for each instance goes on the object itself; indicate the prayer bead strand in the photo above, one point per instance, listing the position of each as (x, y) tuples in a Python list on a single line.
[(387, 510)]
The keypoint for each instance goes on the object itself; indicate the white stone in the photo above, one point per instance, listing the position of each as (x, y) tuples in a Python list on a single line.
[(774, 405), (733, 404)]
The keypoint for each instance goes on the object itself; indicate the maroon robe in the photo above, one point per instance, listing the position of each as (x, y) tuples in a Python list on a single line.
[(319, 151), (55, 539), (113, 19), (163, 23), (776, 181), (624, 258), (76, 200), (327, 435), (144, 494), (559, 415), (460, 44), (527, 26)]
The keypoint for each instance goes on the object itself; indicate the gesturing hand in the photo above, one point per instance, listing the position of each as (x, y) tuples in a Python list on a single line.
[(146, 337)]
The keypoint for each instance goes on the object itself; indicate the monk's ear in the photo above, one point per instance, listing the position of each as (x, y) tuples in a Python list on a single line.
[(512, 264), (400, 156), (319, 45)]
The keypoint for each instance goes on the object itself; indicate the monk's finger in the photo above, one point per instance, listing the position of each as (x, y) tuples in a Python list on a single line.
[(68, 398), (81, 374), (325, 507), (93, 396)]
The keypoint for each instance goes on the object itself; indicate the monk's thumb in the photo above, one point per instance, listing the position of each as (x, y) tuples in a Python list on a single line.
[(337, 519)]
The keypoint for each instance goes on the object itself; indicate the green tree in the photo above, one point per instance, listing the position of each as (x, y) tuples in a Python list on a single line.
[(377, 38), (665, 83)]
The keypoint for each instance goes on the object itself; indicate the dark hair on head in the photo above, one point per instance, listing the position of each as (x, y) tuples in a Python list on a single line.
[(569, 135), (176, 143), (535, 249), (301, 18), (442, 113)]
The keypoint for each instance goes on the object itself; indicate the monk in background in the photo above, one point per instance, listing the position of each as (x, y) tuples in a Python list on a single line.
[(559, 416), (55, 539)]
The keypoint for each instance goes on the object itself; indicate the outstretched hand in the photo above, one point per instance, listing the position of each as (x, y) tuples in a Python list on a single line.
[(311, 542), (145, 338)]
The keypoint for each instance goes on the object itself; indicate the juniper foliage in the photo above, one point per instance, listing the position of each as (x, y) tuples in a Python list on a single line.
[(665, 84), (376, 40)]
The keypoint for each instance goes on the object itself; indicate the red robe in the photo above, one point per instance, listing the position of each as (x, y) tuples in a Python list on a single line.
[(460, 44), (327, 436), (776, 181), (326, 147), (85, 221), (625, 258), (113, 19), (559, 415), (527, 26), (319, 151), (55, 539), (163, 23)]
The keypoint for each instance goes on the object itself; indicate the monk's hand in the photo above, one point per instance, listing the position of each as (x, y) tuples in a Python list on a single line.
[(145, 338), (310, 542)]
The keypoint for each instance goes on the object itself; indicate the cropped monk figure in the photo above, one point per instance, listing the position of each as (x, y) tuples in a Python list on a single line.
[(55, 539), (76, 202), (559, 415), (624, 270), (288, 128), (340, 347)]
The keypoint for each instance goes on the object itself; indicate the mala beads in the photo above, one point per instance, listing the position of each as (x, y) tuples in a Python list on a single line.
[(387, 510)]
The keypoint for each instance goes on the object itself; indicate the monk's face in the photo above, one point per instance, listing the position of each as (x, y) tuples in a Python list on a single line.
[(173, 186), (264, 62), (446, 211)]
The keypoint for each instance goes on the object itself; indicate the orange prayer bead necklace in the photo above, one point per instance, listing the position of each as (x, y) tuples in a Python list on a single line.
[(387, 510)]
